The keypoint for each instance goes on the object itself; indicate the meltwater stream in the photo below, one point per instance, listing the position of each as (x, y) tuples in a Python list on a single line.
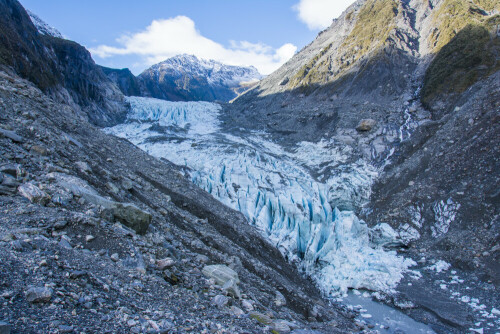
[(306, 217)]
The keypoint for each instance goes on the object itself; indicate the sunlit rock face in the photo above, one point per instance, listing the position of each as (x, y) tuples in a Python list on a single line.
[(310, 219)]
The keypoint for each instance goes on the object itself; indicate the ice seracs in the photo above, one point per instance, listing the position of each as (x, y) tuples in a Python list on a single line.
[(310, 221)]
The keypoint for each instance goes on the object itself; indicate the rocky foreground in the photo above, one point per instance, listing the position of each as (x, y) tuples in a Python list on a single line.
[(97, 236)]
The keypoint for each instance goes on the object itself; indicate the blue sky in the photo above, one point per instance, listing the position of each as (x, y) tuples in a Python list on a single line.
[(137, 34)]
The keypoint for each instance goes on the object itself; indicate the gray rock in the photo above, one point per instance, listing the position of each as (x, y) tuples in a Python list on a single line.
[(247, 305), (127, 213), (83, 166), (221, 273), (280, 299), (65, 244), (262, 318), (236, 311), (220, 301), (10, 182), (281, 327), (43, 151), (366, 124), (38, 294), (165, 263), (131, 216), (115, 257), (10, 169), (33, 193), (4, 328), (65, 329), (12, 136), (232, 288)]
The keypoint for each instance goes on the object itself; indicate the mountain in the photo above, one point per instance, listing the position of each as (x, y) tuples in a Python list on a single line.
[(188, 78), (413, 88), (42, 27), (61, 68)]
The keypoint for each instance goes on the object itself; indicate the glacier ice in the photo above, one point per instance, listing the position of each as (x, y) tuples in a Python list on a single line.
[(301, 199)]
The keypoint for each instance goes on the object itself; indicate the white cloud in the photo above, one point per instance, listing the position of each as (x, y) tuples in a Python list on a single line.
[(167, 38), (318, 14)]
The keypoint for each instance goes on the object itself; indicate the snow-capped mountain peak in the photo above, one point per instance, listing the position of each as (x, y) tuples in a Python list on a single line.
[(189, 78), (215, 72), (42, 27)]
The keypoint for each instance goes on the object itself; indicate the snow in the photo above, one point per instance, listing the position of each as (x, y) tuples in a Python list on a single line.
[(440, 266), (308, 220), (215, 72), (444, 215), (42, 27)]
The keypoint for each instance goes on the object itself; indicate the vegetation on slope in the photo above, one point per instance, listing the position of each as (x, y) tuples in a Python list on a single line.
[(468, 56), (454, 15), (373, 26)]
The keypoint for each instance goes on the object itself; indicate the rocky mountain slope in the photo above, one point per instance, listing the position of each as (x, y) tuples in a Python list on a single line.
[(188, 78), (98, 236), (61, 68)]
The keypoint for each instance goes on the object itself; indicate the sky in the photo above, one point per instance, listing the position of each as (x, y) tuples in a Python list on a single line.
[(138, 34)]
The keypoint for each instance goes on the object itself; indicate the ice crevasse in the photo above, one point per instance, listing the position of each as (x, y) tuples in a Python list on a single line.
[(307, 217)]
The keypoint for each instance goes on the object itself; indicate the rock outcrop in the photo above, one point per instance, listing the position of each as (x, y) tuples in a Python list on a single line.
[(61, 68)]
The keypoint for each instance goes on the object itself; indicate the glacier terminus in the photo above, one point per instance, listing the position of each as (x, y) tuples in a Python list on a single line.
[(307, 212)]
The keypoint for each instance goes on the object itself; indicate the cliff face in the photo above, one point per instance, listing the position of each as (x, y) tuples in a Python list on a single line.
[(412, 87), (125, 80), (60, 67)]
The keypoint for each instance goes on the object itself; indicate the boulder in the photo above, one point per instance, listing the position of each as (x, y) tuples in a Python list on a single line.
[(131, 216), (366, 125), (220, 301), (38, 294), (165, 263), (126, 213), (221, 274), (33, 193)]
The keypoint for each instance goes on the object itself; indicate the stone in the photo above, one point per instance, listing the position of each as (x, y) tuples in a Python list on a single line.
[(89, 238), (281, 327), (131, 216), (65, 244), (111, 187), (12, 136), (279, 300), (60, 224), (115, 257), (39, 150), (65, 329), (127, 184), (126, 213), (236, 311), (221, 274), (220, 301), (10, 169), (83, 166), (4, 328), (247, 305), (33, 193), (38, 294), (262, 318), (366, 125), (165, 263), (232, 288)]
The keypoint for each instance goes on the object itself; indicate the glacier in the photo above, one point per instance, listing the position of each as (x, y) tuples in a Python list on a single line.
[(302, 199)]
